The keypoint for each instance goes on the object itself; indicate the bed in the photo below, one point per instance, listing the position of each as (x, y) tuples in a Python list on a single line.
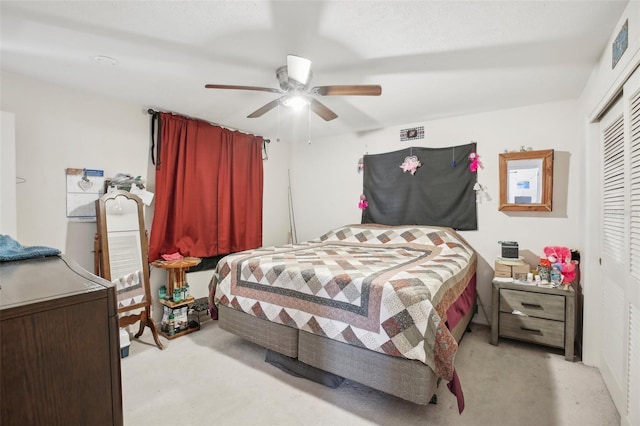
[(380, 305)]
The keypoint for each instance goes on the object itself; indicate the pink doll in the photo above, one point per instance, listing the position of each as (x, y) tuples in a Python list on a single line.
[(475, 162), (363, 204)]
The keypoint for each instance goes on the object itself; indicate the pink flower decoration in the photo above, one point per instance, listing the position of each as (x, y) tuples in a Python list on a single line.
[(410, 164)]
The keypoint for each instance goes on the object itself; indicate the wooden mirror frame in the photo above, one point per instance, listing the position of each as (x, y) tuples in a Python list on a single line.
[(103, 265), (545, 180)]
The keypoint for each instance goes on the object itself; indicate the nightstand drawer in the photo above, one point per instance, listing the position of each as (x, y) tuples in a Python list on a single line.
[(537, 305), (536, 330)]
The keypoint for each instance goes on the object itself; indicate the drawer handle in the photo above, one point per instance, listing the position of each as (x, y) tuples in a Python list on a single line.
[(531, 330), (531, 306)]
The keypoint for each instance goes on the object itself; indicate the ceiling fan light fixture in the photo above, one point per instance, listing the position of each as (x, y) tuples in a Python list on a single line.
[(298, 68), (295, 101)]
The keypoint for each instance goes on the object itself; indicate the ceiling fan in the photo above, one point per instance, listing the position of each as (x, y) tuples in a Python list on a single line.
[(294, 79)]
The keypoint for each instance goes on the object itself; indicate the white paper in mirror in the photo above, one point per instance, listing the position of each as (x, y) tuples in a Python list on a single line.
[(123, 232), (125, 255)]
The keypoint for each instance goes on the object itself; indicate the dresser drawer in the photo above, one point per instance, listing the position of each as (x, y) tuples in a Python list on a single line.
[(536, 330), (537, 305)]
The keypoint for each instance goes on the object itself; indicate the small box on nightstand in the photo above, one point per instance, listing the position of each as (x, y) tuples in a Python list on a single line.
[(502, 270), (509, 268), (520, 269)]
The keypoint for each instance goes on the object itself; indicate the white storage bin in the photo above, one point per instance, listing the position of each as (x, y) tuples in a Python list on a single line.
[(124, 343)]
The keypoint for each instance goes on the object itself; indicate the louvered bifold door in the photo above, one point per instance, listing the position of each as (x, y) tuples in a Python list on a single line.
[(633, 278), (612, 256), (620, 252), (613, 191)]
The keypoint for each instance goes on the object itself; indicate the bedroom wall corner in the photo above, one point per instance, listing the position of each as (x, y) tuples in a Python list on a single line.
[(275, 216), (8, 179)]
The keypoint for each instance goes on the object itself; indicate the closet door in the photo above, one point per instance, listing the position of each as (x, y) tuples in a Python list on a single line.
[(620, 251), (633, 272)]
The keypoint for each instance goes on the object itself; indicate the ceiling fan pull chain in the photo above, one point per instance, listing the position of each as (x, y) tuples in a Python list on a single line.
[(278, 137)]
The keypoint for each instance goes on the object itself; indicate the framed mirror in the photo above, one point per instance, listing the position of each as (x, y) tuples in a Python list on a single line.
[(121, 248), (526, 181)]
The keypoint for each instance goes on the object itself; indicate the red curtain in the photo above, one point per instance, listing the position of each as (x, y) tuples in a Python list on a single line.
[(208, 198)]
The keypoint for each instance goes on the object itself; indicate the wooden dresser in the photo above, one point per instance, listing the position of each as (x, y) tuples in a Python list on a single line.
[(60, 355)]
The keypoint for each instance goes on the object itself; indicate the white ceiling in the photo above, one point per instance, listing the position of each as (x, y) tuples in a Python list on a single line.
[(432, 58)]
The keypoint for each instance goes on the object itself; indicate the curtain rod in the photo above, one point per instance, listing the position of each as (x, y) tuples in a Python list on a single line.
[(151, 111)]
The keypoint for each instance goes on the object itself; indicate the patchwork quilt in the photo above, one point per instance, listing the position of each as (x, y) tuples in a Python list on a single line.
[(130, 289), (384, 288)]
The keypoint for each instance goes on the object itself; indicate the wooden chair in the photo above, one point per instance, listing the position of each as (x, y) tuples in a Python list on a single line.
[(121, 256)]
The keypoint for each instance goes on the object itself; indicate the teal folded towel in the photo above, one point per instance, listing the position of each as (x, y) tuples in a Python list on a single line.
[(11, 250)]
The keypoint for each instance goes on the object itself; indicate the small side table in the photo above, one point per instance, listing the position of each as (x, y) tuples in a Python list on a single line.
[(176, 279), (542, 315)]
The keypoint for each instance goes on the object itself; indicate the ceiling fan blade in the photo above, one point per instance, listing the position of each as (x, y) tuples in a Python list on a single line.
[(322, 110), (256, 88), (298, 68), (348, 90), (264, 109)]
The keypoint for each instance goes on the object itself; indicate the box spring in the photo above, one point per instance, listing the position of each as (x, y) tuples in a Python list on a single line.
[(277, 337), (407, 379)]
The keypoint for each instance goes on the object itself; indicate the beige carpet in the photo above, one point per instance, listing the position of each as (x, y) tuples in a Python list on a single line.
[(211, 377)]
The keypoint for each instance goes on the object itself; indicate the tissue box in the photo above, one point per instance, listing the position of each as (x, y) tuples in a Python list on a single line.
[(124, 343)]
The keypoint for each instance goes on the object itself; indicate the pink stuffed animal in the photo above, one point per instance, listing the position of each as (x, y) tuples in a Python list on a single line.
[(560, 257)]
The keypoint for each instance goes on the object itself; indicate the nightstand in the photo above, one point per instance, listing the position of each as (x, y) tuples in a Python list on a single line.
[(541, 315), (176, 280)]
